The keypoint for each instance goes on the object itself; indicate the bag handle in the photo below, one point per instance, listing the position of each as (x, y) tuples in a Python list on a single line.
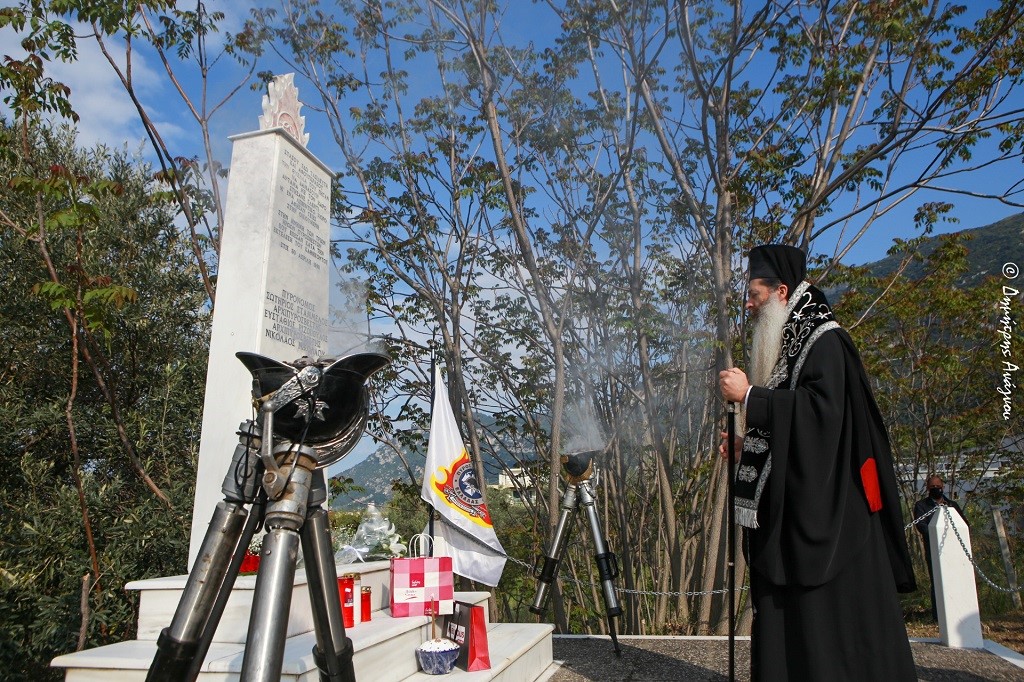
[(421, 545)]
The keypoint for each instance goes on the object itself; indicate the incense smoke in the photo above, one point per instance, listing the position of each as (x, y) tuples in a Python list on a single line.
[(582, 432), (349, 329)]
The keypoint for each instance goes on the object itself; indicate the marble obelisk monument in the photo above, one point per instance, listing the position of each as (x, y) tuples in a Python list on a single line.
[(272, 280)]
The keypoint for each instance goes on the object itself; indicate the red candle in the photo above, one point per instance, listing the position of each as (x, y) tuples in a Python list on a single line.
[(346, 587), (364, 614)]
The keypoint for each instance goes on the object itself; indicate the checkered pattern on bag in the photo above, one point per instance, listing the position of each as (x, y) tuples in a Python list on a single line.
[(420, 583)]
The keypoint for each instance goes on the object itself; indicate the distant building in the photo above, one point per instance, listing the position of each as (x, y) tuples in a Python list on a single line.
[(519, 481)]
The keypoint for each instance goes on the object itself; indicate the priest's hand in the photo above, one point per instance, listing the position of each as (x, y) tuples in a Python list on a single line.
[(733, 383), (723, 446)]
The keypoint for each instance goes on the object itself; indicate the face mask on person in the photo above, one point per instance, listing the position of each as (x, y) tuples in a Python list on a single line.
[(935, 492)]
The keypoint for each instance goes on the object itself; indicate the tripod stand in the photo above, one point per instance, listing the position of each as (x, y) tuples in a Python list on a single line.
[(579, 471), (321, 411)]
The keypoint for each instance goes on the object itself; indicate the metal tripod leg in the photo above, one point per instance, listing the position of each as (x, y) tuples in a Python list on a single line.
[(268, 620), (546, 575), (220, 603), (607, 566), (180, 644), (333, 651), (297, 516), (577, 495)]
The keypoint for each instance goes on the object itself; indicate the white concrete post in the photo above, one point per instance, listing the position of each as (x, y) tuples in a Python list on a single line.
[(956, 593)]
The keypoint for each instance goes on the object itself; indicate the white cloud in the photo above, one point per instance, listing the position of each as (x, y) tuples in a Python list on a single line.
[(236, 12), (107, 113)]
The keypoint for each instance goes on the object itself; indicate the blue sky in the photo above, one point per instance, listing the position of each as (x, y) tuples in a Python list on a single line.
[(108, 117)]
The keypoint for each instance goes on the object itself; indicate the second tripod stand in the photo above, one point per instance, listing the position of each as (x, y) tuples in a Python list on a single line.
[(581, 477)]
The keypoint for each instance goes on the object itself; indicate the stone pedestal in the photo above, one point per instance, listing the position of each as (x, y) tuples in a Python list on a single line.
[(956, 593), (385, 647)]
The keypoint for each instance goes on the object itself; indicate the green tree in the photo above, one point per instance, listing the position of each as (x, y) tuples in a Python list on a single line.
[(929, 344), (573, 204), (96, 266), (186, 44)]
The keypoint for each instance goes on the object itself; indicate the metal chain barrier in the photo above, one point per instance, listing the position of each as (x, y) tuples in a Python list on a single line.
[(682, 594), (977, 568), (922, 517), (963, 545), (530, 567), (654, 593)]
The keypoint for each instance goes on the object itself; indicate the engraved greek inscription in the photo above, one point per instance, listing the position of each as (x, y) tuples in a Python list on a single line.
[(294, 320)]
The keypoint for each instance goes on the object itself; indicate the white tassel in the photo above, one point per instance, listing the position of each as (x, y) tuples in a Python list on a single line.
[(746, 517)]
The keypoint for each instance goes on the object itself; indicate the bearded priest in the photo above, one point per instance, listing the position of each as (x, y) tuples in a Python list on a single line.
[(816, 492)]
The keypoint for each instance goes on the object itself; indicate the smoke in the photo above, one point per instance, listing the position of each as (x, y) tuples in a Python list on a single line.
[(348, 331), (582, 431)]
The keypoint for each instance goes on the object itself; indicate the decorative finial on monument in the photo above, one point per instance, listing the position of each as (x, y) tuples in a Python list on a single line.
[(281, 108)]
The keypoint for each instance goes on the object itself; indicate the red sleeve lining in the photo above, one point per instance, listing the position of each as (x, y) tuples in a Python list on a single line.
[(869, 479)]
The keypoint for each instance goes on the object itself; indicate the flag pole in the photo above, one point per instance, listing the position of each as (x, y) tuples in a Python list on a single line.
[(433, 388), (450, 487)]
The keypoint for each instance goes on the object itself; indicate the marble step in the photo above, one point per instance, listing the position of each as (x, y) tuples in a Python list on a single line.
[(384, 650), (159, 597), (384, 646), (519, 652)]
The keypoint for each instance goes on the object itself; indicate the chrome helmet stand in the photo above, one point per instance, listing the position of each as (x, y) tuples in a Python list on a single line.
[(311, 414)]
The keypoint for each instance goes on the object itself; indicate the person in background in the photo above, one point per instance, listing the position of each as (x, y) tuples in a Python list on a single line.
[(935, 498)]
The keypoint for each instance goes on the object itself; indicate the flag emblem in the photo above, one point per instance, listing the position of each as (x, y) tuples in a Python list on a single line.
[(458, 487)]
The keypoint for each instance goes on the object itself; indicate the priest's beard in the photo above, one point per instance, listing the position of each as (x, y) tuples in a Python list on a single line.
[(767, 342)]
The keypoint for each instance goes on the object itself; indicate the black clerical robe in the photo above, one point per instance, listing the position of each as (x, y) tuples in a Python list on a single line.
[(829, 552)]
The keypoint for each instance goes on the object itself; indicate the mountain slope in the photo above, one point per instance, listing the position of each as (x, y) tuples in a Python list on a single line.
[(382, 466), (989, 248)]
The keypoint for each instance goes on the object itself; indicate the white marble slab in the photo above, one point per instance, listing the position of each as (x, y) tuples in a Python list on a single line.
[(159, 597), (384, 648), (272, 290)]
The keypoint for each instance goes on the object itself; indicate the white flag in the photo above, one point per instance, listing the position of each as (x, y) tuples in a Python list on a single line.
[(451, 488)]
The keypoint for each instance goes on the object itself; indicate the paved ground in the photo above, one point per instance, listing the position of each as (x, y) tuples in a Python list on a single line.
[(670, 659)]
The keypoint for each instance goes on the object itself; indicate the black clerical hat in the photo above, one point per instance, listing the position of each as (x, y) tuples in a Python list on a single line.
[(778, 261)]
